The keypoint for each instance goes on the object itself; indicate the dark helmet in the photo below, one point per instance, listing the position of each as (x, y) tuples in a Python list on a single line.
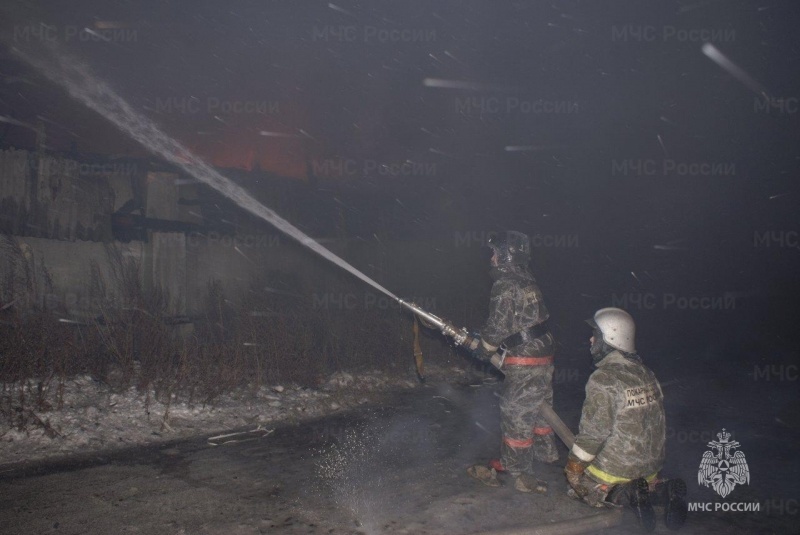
[(512, 248)]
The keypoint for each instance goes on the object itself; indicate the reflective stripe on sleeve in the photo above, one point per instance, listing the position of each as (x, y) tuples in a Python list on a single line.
[(582, 454)]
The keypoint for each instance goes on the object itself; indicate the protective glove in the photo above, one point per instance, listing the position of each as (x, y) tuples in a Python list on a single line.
[(482, 355), (477, 349), (574, 470)]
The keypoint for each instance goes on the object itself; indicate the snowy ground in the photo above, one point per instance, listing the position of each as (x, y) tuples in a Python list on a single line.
[(94, 418), (389, 463)]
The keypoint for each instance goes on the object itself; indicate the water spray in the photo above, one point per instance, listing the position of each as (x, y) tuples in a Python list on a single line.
[(85, 87)]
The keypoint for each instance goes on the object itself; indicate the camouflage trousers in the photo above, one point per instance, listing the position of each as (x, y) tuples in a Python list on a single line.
[(526, 434)]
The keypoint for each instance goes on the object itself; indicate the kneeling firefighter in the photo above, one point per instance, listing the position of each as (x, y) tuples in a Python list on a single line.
[(517, 321), (619, 449)]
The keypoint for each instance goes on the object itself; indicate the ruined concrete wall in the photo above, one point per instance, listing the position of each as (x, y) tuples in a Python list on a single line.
[(163, 192), (48, 196), (167, 268), (62, 211), (58, 276), (234, 261), (165, 259)]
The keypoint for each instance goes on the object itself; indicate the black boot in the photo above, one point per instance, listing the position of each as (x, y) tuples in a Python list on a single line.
[(672, 495), (636, 495)]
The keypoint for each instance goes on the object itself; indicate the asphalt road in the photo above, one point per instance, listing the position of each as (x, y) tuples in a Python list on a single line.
[(397, 468)]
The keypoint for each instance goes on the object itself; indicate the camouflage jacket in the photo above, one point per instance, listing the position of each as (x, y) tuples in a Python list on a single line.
[(622, 424), (516, 304)]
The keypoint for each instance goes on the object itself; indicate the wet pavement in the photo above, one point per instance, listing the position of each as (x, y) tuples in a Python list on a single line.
[(397, 468)]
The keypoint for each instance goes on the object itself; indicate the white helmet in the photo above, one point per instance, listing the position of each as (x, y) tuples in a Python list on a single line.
[(618, 328)]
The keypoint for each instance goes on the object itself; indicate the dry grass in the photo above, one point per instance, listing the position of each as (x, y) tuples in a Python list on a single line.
[(132, 341)]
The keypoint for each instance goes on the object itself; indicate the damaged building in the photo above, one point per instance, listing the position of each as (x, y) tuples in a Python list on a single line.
[(65, 211)]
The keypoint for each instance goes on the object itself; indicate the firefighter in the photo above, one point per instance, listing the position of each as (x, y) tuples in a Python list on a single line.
[(518, 321), (619, 449)]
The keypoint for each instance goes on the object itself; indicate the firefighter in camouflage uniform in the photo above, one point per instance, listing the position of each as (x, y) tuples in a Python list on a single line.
[(517, 320), (619, 449)]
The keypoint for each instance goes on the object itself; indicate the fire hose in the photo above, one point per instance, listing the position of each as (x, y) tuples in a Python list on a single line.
[(461, 337)]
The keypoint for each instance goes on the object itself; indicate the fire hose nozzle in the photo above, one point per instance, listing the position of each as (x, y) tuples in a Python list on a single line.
[(431, 319), (461, 337)]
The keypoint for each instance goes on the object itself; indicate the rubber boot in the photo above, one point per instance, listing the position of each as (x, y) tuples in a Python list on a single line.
[(636, 495), (672, 495), (484, 474), (528, 483), (496, 465)]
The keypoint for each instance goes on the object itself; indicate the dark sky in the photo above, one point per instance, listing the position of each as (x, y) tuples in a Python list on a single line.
[(350, 75), (598, 120), (616, 114)]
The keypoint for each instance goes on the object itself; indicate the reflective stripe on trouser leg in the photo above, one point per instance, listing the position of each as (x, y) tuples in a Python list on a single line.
[(517, 443), (524, 389)]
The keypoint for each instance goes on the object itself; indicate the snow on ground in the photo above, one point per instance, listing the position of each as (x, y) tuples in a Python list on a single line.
[(94, 418)]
